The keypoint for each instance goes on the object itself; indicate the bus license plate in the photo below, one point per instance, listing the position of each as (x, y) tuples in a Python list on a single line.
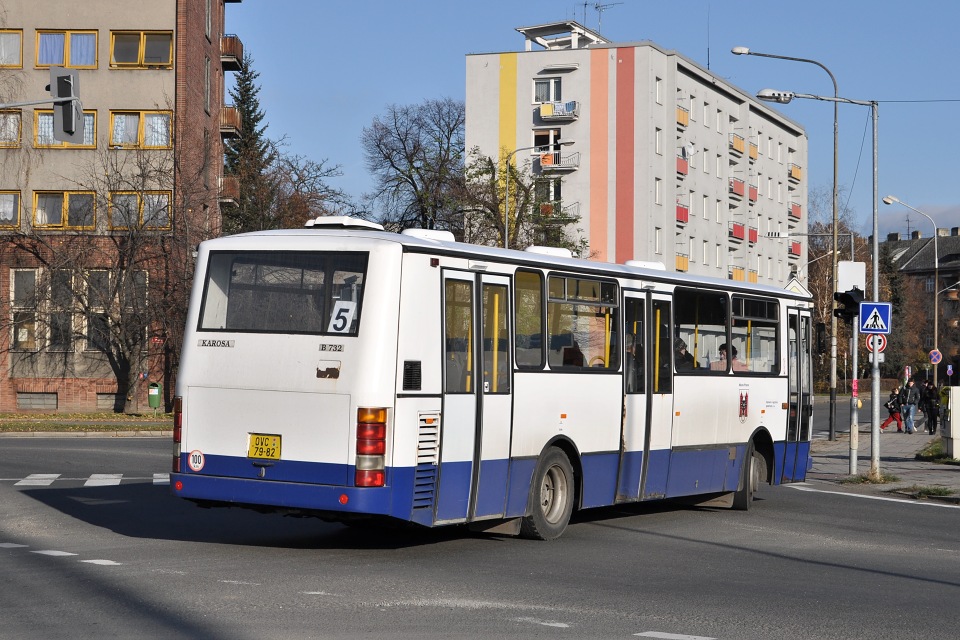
[(264, 446)]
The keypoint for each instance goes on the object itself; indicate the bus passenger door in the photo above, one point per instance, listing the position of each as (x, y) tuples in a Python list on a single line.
[(475, 436), (800, 383), (633, 435)]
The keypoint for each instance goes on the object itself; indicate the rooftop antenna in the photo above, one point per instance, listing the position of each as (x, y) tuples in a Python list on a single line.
[(600, 9)]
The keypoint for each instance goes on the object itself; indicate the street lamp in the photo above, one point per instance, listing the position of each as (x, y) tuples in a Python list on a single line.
[(797, 271), (506, 185), (745, 51), (936, 274)]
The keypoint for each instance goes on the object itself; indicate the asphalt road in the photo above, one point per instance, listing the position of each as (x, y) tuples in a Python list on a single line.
[(123, 558)]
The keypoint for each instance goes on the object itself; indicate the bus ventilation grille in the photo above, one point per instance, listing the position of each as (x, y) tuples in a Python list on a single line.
[(411, 375), (425, 476)]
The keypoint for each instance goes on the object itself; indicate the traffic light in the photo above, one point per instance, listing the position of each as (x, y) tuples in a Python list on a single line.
[(849, 304), (67, 113)]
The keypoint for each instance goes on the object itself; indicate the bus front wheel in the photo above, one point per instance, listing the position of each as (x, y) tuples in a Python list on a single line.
[(750, 479), (551, 497)]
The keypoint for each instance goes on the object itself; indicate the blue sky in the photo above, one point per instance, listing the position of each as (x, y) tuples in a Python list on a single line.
[(328, 68)]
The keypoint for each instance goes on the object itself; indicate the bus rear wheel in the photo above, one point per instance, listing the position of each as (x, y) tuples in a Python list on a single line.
[(753, 465), (550, 503)]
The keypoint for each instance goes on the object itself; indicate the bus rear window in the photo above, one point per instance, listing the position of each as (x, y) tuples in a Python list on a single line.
[(283, 292)]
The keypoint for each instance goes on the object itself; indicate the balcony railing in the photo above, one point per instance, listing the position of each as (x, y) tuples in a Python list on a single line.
[(752, 276), (752, 235), (794, 249), (554, 161), (683, 166), (753, 193), (754, 151), (683, 262), (555, 211), (231, 52), (794, 210), (229, 189), (683, 117), (736, 231), (230, 122), (683, 214), (554, 111), (737, 187), (794, 173), (736, 273), (737, 144)]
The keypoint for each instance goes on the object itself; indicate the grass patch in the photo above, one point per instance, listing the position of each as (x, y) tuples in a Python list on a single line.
[(926, 492), (935, 452), (73, 422), (865, 479)]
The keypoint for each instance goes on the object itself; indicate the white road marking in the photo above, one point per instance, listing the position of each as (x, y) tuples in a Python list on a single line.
[(109, 563), (161, 478), (11, 545), (926, 503), (670, 636), (38, 480), (51, 552), (560, 625), (252, 584), (103, 480)]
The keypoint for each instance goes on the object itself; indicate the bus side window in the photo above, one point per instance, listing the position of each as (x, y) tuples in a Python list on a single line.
[(458, 333), (528, 319), (700, 321)]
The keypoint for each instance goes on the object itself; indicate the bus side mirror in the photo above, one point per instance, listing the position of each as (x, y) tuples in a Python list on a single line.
[(821, 337)]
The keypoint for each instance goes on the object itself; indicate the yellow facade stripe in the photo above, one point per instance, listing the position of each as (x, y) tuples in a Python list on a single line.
[(508, 102)]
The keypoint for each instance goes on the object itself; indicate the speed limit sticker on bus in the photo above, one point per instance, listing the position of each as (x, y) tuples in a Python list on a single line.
[(196, 460)]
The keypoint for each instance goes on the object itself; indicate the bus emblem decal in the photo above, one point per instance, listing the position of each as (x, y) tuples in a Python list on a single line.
[(744, 403)]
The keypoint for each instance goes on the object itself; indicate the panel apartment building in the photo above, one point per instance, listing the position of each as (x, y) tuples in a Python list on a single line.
[(79, 220), (669, 163)]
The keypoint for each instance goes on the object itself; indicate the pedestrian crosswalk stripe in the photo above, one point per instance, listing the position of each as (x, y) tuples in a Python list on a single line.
[(161, 478), (11, 545), (51, 552), (103, 480), (109, 563), (38, 480)]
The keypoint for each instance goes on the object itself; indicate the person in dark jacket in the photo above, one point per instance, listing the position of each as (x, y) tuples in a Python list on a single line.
[(931, 407), (909, 399), (893, 406)]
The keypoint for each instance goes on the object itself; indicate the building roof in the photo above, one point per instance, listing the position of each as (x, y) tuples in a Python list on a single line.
[(918, 255)]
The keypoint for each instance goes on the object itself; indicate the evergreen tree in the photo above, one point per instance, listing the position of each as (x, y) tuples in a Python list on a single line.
[(250, 157)]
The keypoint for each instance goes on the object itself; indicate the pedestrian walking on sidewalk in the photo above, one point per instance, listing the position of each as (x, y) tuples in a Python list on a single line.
[(932, 407), (893, 406), (909, 398)]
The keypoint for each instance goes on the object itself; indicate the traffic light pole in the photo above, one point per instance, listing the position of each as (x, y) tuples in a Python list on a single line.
[(854, 395)]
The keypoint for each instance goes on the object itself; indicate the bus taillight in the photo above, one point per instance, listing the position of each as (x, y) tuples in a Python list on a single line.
[(177, 431), (371, 447)]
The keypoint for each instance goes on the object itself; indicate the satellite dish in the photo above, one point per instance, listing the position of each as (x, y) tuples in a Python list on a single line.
[(687, 150)]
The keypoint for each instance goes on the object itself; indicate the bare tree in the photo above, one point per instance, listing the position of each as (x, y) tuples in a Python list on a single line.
[(415, 154)]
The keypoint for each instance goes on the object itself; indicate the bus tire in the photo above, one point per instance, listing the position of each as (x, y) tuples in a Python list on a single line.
[(749, 479), (550, 503)]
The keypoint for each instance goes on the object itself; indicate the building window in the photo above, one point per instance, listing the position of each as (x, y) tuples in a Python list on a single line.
[(208, 26), (658, 191), (719, 166), (706, 252), (98, 302), (141, 49), (140, 129), (706, 161), (706, 207), (44, 131), (150, 210), (658, 90), (24, 309), (657, 240), (719, 211), (76, 49), (658, 140), (928, 284), (61, 311), (10, 128), (64, 209), (9, 209), (546, 90), (207, 87), (11, 48)]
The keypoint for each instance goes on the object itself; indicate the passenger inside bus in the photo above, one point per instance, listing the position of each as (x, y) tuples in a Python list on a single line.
[(682, 358), (632, 363)]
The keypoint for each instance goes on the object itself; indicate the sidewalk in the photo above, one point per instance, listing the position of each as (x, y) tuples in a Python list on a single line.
[(831, 464)]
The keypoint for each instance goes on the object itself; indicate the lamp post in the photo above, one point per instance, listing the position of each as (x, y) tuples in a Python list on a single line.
[(783, 97), (810, 262), (506, 185), (745, 51), (936, 274)]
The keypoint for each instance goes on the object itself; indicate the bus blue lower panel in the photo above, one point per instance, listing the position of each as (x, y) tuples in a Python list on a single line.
[(793, 458)]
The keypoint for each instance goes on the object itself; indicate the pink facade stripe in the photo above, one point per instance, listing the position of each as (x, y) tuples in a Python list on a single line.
[(625, 153), (599, 150)]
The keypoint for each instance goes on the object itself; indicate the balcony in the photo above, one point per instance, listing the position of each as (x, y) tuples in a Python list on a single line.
[(229, 190), (553, 161), (794, 250), (752, 235), (752, 276), (231, 52), (737, 188), (736, 232), (736, 273), (683, 166), (230, 122), (753, 192), (683, 262), (683, 214), (794, 173), (794, 210), (754, 152), (737, 144), (683, 118), (556, 212), (559, 111)]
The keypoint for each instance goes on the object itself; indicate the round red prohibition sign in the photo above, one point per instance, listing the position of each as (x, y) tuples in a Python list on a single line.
[(876, 342)]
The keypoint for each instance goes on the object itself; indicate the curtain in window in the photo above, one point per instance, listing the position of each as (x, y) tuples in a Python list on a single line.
[(9, 128), (8, 208), (156, 210), (83, 49), (50, 208), (542, 91), (89, 128), (51, 48), (156, 130), (45, 129), (125, 128), (10, 49)]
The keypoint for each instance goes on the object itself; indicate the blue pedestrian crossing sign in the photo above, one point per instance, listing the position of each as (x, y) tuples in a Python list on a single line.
[(875, 317)]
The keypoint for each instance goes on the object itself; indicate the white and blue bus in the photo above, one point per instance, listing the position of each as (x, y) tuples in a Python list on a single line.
[(351, 373)]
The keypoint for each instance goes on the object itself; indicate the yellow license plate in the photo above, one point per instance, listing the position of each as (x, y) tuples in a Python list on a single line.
[(264, 446)]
